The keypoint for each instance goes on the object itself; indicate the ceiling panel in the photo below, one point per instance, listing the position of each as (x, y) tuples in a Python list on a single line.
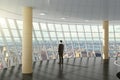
[(70, 9)]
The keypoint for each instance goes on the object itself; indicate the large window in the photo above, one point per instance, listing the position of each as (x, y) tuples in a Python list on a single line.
[(80, 40)]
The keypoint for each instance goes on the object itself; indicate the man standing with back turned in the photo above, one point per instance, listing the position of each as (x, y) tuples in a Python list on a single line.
[(60, 51)]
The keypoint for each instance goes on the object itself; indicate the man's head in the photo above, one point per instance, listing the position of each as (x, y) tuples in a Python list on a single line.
[(60, 41)]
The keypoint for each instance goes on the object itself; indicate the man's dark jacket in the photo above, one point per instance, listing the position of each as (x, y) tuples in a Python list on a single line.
[(61, 49)]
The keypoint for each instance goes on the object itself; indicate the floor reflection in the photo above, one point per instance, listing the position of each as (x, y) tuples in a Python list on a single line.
[(106, 71), (2, 76), (74, 69), (60, 72)]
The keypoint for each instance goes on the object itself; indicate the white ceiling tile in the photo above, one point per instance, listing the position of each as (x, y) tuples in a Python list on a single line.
[(75, 9)]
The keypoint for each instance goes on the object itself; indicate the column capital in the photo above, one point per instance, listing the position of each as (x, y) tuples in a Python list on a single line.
[(28, 7)]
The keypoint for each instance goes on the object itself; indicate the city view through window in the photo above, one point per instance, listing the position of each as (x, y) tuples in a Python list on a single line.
[(80, 40)]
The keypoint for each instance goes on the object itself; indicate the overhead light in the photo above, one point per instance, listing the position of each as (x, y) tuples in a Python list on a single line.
[(63, 18), (86, 20), (42, 14)]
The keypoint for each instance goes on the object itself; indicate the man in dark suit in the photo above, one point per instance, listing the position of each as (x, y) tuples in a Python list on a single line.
[(60, 51)]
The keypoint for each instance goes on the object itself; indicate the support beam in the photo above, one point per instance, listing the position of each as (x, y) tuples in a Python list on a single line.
[(27, 41), (105, 40)]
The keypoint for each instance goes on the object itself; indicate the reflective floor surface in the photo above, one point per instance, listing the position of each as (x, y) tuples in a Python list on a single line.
[(71, 69)]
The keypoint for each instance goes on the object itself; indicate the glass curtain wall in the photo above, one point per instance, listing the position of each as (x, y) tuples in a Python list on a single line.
[(114, 40), (80, 40)]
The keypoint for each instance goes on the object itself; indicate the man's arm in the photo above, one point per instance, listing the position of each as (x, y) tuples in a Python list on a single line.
[(58, 47), (63, 47)]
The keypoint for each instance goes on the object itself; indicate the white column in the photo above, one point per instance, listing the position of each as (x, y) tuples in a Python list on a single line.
[(105, 40), (27, 41)]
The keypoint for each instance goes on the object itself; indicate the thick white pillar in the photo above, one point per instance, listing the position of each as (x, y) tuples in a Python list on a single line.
[(105, 40), (27, 41)]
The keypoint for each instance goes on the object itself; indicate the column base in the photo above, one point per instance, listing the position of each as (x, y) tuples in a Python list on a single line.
[(27, 73), (105, 60), (27, 76)]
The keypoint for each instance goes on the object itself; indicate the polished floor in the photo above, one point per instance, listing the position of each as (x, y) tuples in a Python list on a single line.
[(72, 69)]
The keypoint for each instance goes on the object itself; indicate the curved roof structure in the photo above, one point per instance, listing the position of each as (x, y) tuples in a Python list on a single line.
[(59, 10)]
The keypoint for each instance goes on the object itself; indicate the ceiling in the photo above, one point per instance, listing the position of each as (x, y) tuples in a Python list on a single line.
[(68, 10)]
